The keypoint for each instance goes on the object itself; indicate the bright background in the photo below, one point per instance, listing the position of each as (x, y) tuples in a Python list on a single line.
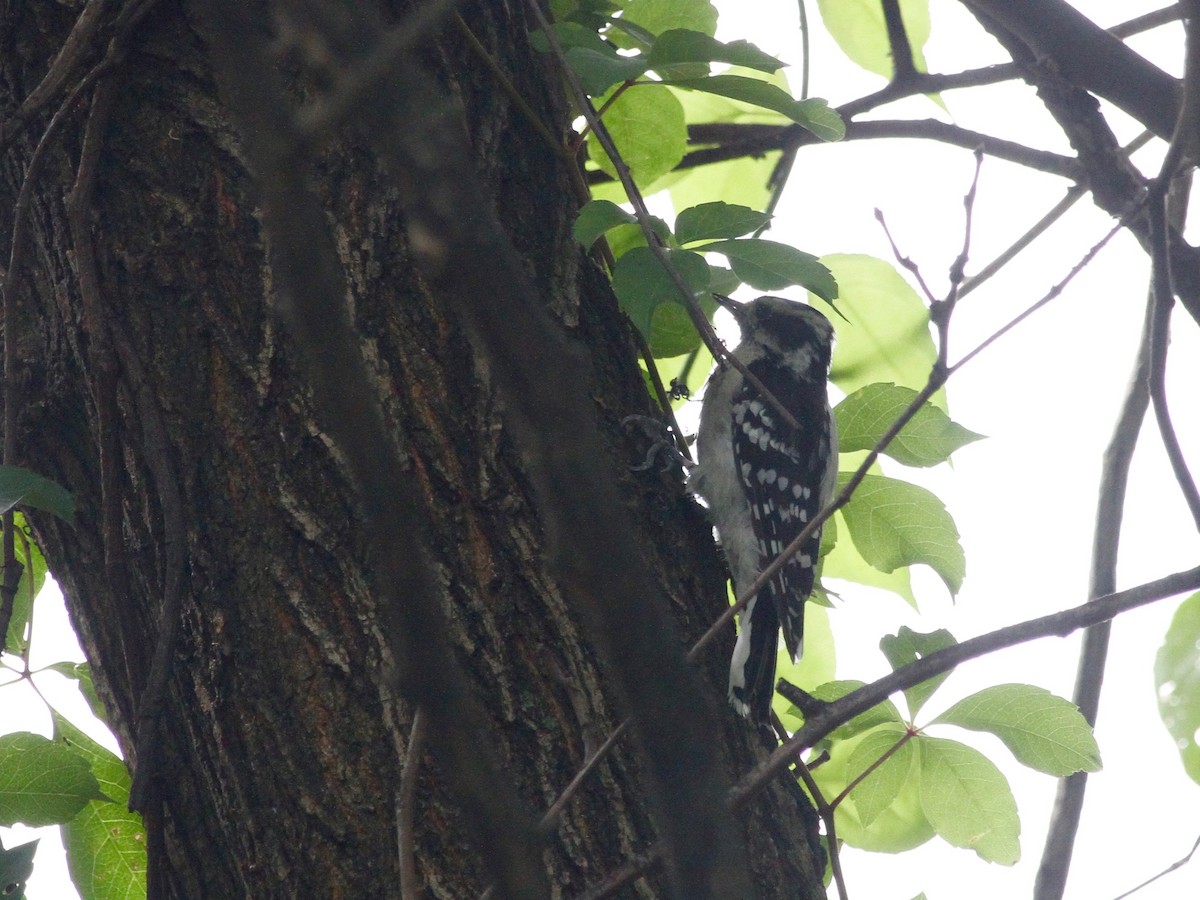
[(1024, 499)]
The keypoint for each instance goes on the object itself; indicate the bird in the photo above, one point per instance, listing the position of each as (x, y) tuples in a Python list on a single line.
[(764, 479)]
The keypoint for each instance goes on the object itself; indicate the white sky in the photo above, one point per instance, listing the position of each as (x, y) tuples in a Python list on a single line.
[(1023, 500)]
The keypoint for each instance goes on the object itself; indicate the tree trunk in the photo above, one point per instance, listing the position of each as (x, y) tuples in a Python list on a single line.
[(179, 396)]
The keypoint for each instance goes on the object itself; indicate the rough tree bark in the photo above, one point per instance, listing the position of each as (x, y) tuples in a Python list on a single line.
[(278, 766)]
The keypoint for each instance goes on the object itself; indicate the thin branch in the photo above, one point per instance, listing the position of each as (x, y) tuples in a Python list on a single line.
[(660, 391), (737, 141), (805, 41), (1073, 195), (410, 883), (550, 818), (1050, 295), (1178, 864), (1114, 478), (905, 262), (1185, 140), (1147, 21), (69, 59), (826, 811), (626, 874), (1164, 300), (865, 773), (555, 810)]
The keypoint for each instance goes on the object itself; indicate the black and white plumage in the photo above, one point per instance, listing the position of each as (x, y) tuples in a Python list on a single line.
[(764, 480)]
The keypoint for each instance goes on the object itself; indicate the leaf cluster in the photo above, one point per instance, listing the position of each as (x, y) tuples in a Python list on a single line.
[(894, 786)]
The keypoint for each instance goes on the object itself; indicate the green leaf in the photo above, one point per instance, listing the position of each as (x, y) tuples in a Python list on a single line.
[(710, 221), (41, 782), (33, 577), (105, 842), (647, 126), (813, 113), (887, 338), (671, 330), (82, 672), (16, 865), (844, 561), (908, 646), (108, 768), (642, 286), (900, 827), (597, 217), (968, 800), (19, 485), (1043, 731), (723, 280), (659, 16), (894, 523), (627, 34), (928, 439), (743, 180), (600, 70), (106, 852), (1177, 680), (859, 29), (879, 790), (680, 45), (34, 561), (770, 266)]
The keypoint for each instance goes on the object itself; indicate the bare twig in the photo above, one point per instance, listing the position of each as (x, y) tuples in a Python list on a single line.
[(1164, 300), (410, 883), (826, 811), (68, 61), (1056, 854), (735, 141), (1050, 295), (906, 262), (1178, 864), (660, 391), (1114, 478), (626, 874), (555, 810)]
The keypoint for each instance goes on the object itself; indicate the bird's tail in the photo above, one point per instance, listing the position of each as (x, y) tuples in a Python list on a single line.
[(752, 670)]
